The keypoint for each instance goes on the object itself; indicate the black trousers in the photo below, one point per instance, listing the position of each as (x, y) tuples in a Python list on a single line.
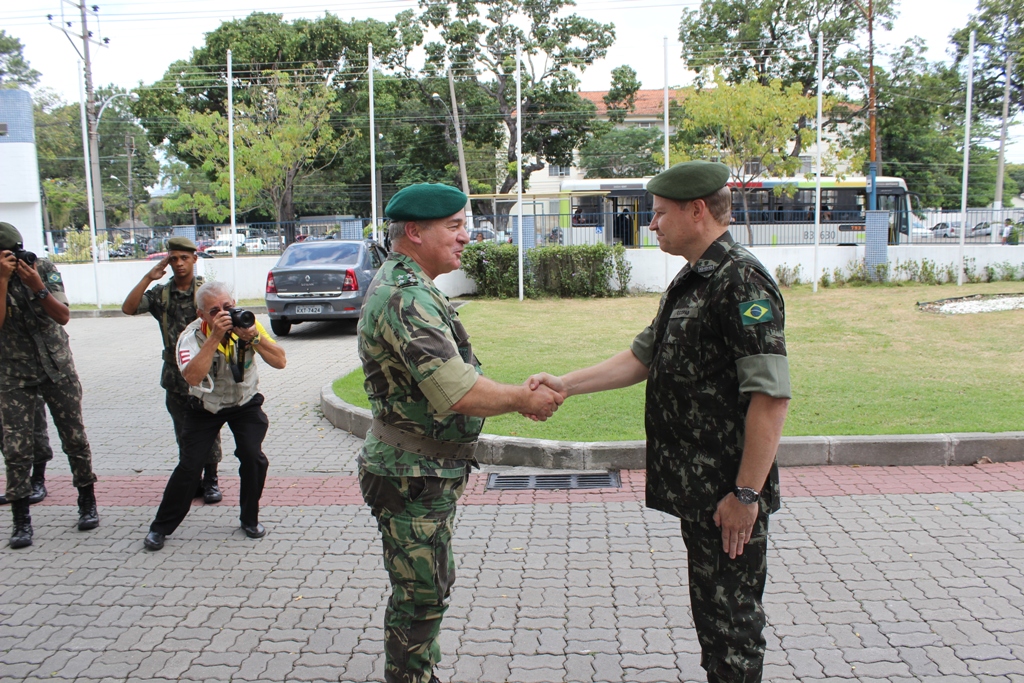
[(249, 424)]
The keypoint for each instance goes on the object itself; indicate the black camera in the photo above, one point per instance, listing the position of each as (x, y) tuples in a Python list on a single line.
[(242, 318), (25, 255)]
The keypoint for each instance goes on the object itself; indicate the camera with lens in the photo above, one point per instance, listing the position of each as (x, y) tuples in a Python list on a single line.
[(242, 318), (23, 254)]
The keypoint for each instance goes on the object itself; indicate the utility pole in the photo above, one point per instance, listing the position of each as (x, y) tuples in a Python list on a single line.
[(998, 202), (869, 14), (99, 210), (458, 143), (129, 146)]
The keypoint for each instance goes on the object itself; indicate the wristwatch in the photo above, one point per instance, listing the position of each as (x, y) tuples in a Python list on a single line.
[(42, 293), (745, 495), (255, 340)]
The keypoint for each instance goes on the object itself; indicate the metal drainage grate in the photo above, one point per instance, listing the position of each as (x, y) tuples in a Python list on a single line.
[(521, 482)]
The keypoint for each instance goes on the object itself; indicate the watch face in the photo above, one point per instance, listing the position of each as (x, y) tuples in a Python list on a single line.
[(747, 496)]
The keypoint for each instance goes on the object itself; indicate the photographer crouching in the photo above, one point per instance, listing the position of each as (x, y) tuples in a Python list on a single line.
[(216, 355)]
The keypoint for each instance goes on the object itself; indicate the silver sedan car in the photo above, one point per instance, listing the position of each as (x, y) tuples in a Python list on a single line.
[(323, 280)]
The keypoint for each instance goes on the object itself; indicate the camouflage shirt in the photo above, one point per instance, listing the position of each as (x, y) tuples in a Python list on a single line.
[(718, 336), (174, 310), (33, 346), (418, 363)]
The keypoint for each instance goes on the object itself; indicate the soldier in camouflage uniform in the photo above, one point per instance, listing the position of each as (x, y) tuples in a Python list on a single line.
[(37, 365), (173, 304), (429, 401), (717, 394)]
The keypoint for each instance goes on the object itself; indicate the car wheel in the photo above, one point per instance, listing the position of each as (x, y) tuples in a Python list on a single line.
[(281, 327)]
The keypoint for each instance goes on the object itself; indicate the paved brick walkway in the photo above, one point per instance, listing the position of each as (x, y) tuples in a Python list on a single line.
[(876, 574)]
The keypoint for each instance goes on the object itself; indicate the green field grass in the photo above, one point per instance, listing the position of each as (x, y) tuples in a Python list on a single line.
[(864, 360)]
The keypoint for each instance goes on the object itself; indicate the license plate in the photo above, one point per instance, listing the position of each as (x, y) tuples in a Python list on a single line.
[(308, 310)]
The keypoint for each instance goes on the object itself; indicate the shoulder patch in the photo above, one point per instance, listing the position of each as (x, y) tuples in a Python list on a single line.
[(706, 267), (754, 312), (54, 277)]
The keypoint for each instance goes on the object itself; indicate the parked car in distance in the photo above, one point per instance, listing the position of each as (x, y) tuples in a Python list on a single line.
[(981, 229), (223, 244), (256, 245), (946, 229), (156, 256), (320, 280)]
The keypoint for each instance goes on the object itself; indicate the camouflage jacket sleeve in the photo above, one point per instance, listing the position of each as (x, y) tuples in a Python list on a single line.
[(52, 279), (418, 327), (150, 302), (752, 320)]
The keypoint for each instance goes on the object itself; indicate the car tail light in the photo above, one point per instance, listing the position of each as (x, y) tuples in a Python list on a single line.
[(351, 283), (271, 285)]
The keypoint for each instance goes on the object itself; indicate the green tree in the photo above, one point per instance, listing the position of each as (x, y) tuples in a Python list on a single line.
[(622, 153), (1000, 33), (281, 135), (194, 196), (921, 126), (769, 40), (621, 96), (480, 39), (15, 71), (748, 126)]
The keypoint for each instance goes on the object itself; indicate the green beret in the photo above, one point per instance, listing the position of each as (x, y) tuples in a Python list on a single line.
[(181, 244), (9, 237), (689, 180), (425, 201)]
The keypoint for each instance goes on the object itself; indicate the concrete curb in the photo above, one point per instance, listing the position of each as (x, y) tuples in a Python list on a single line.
[(794, 451)]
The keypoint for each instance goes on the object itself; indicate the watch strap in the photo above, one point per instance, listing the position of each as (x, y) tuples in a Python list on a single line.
[(745, 495)]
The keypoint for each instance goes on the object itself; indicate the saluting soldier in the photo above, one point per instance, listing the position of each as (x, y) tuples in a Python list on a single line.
[(717, 394), (38, 366), (429, 400), (173, 304)]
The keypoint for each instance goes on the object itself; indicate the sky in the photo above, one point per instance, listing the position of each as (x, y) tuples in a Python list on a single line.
[(146, 36)]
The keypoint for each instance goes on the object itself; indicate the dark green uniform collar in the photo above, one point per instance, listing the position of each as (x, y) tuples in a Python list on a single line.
[(410, 263), (713, 256)]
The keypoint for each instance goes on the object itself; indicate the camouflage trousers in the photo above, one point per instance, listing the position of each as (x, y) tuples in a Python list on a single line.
[(19, 413), (177, 406), (725, 598), (416, 517), (41, 451)]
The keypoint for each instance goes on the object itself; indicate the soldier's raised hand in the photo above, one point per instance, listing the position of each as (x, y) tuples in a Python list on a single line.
[(29, 276), (160, 269), (8, 263)]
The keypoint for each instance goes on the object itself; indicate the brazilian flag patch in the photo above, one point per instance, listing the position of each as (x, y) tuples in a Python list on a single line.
[(754, 312)]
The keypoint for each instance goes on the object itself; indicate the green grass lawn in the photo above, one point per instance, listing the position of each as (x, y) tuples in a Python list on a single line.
[(864, 360)]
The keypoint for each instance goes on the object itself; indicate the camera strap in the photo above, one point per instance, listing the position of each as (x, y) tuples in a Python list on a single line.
[(237, 364)]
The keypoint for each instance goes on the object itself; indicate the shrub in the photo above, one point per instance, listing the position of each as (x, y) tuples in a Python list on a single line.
[(786, 276), (580, 271), (495, 269)]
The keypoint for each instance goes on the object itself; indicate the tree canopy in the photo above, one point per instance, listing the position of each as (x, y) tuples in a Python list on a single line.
[(15, 71)]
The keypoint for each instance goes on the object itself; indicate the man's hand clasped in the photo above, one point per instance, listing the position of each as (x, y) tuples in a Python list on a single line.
[(549, 391)]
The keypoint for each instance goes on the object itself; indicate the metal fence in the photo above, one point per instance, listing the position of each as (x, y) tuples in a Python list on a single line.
[(839, 226)]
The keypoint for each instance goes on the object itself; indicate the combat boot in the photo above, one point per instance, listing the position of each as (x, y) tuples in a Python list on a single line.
[(88, 517), (3, 499), (38, 484), (211, 491), (22, 535)]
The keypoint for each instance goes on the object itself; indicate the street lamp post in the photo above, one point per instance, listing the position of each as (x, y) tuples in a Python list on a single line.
[(454, 113)]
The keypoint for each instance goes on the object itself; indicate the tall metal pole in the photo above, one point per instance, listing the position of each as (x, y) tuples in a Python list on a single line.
[(373, 147), (129, 144), (872, 110), (1000, 170), (88, 188), (967, 157), (458, 144), (817, 170), (519, 158), (231, 174), (99, 209), (665, 103)]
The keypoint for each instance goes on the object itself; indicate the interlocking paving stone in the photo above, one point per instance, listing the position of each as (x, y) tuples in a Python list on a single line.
[(875, 574)]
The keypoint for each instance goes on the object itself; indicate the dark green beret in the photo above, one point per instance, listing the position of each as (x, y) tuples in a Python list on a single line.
[(425, 201), (689, 180), (9, 236), (181, 244)]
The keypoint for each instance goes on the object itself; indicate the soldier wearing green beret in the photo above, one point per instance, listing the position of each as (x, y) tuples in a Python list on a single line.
[(717, 394), (37, 367), (429, 399), (173, 304)]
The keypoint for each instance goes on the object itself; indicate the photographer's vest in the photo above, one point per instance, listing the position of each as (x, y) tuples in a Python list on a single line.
[(225, 392)]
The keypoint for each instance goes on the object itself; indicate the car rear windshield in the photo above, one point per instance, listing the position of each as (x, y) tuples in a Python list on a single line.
[(346, 253)]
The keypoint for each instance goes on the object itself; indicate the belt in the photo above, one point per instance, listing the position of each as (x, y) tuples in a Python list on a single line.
[(422, 445)]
